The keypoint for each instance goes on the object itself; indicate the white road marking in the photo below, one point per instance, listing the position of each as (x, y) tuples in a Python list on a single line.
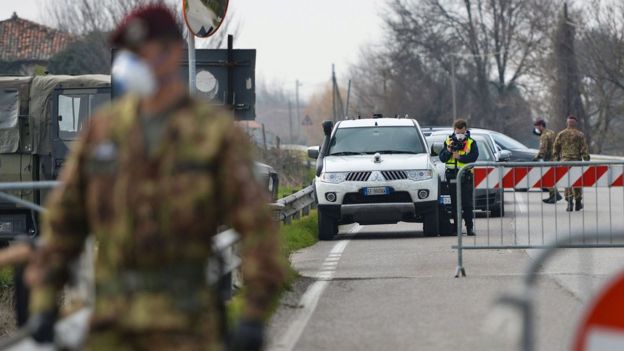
[(311, 297), (522, 205)]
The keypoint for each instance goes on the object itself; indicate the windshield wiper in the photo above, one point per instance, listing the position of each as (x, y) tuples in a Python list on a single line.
[(346, 153), (395, 152)]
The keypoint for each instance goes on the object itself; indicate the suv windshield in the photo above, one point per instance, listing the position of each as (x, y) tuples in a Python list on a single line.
[(74, 109), (370, 140)]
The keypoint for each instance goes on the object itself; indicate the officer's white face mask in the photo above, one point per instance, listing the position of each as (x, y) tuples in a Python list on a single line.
[(131, 75), (460, 136)]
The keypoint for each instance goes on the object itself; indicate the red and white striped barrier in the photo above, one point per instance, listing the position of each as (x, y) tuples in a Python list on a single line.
[(549, 177)]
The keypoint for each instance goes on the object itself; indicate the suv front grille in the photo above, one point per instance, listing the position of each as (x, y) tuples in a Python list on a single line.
[(394, 175), (363, 176), (358, 176), (358, 198)]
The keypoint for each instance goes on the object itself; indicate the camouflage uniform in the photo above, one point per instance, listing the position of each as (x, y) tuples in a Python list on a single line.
[(570, 145), (153, 215), (547, 141)]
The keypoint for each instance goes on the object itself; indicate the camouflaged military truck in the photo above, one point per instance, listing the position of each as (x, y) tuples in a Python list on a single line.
[(40, 117)]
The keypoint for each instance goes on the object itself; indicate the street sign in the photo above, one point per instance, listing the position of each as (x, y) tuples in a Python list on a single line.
[(602, 327), (204, 17), (307, 121)]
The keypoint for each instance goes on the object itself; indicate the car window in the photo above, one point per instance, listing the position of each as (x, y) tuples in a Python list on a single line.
[(75, 108), (507, 143), (369, 140)]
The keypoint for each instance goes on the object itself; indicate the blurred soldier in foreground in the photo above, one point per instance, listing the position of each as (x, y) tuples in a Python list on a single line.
[(152, 178), (547, 141), (570, 145)]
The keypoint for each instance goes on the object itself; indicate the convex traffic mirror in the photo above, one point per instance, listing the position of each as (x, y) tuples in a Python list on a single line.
[(204, 17)]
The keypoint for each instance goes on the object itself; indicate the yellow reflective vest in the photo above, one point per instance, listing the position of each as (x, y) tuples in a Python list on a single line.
[(453, 163)]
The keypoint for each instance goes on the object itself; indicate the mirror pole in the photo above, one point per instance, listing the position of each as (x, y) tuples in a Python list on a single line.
[(192, 63)]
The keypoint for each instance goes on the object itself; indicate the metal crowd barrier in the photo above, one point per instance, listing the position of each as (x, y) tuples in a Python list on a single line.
[(524, 300), (535, 223)]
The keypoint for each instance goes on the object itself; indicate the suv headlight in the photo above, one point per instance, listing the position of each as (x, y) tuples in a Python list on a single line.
[(334, 177), (420, 174)]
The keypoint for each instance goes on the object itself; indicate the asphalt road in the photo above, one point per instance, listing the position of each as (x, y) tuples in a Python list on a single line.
[(388, 287)]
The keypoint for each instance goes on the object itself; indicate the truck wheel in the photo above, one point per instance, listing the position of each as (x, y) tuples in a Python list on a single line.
[(327, 226), (431, 222)]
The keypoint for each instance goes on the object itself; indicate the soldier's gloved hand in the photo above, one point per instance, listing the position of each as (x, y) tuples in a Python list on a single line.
[(248, 335), (41, 326)]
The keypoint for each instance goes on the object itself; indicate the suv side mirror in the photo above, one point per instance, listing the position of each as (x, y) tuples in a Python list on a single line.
[(313, 152), (328, 126), (505, 155), (436, 148)]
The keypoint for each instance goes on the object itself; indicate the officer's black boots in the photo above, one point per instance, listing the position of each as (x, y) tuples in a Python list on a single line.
[(553, 199), (550, 200), (570, 205), (470, 231), (579, 205)]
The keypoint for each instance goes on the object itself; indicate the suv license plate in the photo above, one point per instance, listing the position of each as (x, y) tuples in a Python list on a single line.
[(376, 191), (445, 199)]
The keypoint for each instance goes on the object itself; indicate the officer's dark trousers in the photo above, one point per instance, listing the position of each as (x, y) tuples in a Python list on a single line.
[(467, 190)]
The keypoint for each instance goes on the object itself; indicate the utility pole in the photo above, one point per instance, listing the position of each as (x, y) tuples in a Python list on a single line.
[(453, 88), (346, 113), (334, 92), (290, 122), (297, 85)]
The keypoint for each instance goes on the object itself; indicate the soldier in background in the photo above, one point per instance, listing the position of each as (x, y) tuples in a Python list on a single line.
[(152, 178), (547, 141), (570, 145)]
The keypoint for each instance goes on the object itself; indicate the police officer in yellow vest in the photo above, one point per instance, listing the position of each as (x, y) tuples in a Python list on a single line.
[(459, 150)]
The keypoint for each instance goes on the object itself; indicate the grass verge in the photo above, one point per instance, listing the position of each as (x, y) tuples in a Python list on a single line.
[(300, 234), (295, 236), (6, 277)]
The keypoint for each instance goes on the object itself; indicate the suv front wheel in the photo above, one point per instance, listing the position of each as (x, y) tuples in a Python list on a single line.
[(327, 225)]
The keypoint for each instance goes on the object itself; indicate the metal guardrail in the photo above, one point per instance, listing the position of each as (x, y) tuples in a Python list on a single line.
[(297, 205), (602, 177)]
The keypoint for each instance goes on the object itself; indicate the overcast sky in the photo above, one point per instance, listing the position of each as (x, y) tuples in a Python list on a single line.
[(295, 39)]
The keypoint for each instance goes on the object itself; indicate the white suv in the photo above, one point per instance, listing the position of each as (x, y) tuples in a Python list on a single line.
[(375, 171)]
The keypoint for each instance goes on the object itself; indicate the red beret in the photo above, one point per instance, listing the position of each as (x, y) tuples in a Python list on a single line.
[(146, 23), (539, 121), (572, 117)]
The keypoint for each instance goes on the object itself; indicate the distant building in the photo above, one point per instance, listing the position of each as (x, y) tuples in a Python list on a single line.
[(24, 45)]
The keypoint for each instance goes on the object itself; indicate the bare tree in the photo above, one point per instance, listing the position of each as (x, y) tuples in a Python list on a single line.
[(567, 85), (494, 45), (601, 63)]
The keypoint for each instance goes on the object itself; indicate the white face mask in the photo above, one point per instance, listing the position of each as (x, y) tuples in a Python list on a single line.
[(460, 136), (131, 75)]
